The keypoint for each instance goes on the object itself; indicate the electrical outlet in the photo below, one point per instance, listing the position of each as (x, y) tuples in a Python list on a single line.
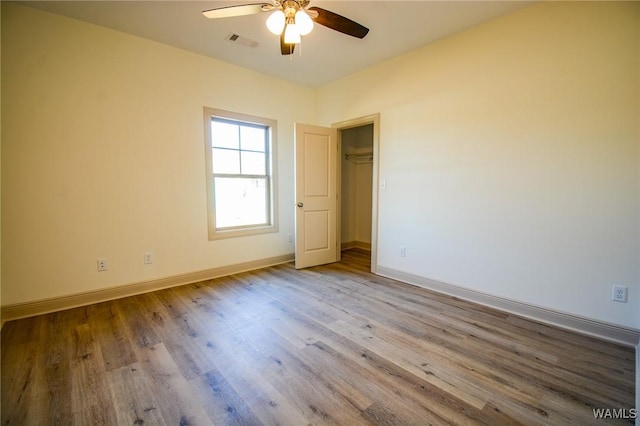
[(103, 264), (148, 258), (402, 252), (619, 293), (290, 238)]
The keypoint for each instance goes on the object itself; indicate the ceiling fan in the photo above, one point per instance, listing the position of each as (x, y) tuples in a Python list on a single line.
[(291, 19)]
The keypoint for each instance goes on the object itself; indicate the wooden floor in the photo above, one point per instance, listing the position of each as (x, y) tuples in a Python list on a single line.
[(327, 345)]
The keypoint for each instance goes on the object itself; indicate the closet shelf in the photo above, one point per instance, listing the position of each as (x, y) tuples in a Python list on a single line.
[(360, 158)]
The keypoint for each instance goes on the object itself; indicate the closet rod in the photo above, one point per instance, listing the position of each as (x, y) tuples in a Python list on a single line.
[(360, 158)]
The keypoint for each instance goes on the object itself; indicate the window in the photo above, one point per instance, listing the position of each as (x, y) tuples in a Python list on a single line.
[(240, 155)]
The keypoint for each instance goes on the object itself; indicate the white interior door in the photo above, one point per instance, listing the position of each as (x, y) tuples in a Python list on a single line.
[(316, 189)]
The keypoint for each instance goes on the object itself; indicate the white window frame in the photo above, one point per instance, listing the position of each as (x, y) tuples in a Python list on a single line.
[(240, 231)]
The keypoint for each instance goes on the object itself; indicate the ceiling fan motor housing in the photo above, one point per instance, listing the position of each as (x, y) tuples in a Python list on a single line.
[(290, 7)]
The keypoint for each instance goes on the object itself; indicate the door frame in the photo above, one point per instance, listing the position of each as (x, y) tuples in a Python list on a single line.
[(375, 186)]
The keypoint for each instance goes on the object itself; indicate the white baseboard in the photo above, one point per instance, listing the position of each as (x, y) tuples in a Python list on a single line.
[(611, 332), (38, 307), (615, 333), (356, 244)]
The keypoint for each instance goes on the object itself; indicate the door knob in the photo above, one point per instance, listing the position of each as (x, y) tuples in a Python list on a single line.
[(300, 205)]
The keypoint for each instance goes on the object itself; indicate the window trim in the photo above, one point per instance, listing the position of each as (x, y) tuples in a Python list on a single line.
[(271, 173)]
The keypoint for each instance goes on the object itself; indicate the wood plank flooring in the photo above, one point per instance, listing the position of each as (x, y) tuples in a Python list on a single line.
[(326, 345)]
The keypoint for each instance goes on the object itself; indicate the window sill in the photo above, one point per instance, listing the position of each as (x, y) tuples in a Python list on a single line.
[(245, 232)]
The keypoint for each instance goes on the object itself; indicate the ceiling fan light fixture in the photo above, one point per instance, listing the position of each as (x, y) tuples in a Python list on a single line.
[(303, 22), (291, 34), (276, 22), (291, 19)]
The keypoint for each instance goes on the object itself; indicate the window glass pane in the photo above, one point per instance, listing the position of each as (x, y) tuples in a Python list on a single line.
[(239, 188), (253, 163), (226, 161), (240, 202), (253, 138), (225, 135)]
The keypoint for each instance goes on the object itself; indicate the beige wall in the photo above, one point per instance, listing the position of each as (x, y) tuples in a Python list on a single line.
[(103, 156), (510, 155)]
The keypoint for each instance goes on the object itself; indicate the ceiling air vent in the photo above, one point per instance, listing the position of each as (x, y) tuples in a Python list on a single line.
[(242, 40)]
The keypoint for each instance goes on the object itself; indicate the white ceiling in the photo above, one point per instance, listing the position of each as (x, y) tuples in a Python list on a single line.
[(396, 27)]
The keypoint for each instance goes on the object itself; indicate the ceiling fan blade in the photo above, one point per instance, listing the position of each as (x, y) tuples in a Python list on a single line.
[(237, 10), (286, 49), (339, 23)]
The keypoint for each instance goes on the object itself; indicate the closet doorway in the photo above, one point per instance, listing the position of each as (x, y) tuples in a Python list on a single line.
[(358, 145)]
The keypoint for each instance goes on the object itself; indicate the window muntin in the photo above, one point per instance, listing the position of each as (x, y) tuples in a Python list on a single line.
[(240, 178)]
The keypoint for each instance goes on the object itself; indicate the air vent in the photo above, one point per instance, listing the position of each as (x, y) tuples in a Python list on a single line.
[(242, 40)]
